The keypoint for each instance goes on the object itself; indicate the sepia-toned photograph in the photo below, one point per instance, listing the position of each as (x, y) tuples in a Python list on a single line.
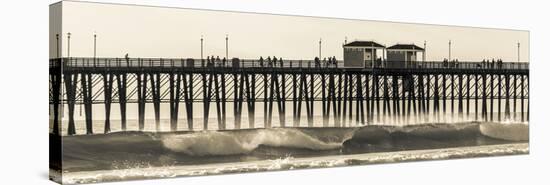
[(145, 92)]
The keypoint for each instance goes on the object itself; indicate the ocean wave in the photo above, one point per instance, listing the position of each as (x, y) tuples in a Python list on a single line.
[(242, 142), (246, 141), (84, 152)]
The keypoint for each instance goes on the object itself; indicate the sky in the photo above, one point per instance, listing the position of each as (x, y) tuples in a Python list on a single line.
[(164, 32)]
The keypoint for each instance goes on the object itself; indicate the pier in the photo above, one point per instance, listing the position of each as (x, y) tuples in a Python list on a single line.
[(364, 95)]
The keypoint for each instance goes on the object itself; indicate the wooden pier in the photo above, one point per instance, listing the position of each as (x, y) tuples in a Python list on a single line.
[(426, 88)]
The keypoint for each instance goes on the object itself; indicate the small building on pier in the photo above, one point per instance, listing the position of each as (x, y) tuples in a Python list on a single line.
[(403, 55), (360, 54)]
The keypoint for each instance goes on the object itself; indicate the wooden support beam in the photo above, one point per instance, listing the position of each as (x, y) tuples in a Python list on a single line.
[(240, 99), (350, 99), (359, 101), (188, 98), (324, 107), (70, 88), (55, 77), (413, 97), (452, 95), (377, 98), (507, 100), (311, 98), (492, 97), (339, 111), (155, 90), (444, 99), (86, 84), (339, 115), (346, 78), (302, 89), (461, 95), (420, 97), (265, 84), (249, 99), (468, 87), (282, 113), (515, 89), (218, 100), (386, 101), (484, 99), (476, 96), (428, 97), (121, 85), (273, 77), (207, 94), (223, 98), (499, 97), (294, 100), (142, 94), (404, 90), (175, 92), (367, 94), (395, 98), (522, 86), (332, 94), (107, 92)]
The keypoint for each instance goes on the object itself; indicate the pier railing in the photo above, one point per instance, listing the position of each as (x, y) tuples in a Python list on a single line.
[(251, 63)]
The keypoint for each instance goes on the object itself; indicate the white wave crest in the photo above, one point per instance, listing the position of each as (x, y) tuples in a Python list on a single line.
[(230, 143)]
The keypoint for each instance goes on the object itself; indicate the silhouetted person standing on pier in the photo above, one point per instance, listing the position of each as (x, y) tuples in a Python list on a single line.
[(261, 61), (281, 61), (209, 61), (274, 62), (127, 58), (317, 62), (218, 61)]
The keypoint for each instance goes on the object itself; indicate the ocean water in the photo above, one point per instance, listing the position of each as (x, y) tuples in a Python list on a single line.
[(150, 154)]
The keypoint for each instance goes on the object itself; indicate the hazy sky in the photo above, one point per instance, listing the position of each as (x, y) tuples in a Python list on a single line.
[(144, 31)]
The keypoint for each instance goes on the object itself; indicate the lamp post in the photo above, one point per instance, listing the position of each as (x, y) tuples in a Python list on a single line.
[(424, 53), (57, 44), (68, 44), (95, 45), (518, 51), (449, 50), (226, 46), (201, 47), (320, 41)]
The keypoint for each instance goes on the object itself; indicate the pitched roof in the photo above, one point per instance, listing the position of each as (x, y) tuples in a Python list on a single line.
[(364, 44), (405, 47)]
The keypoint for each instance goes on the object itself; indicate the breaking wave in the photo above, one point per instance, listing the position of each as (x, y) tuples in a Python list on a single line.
[(242, 142), (245, 141)]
